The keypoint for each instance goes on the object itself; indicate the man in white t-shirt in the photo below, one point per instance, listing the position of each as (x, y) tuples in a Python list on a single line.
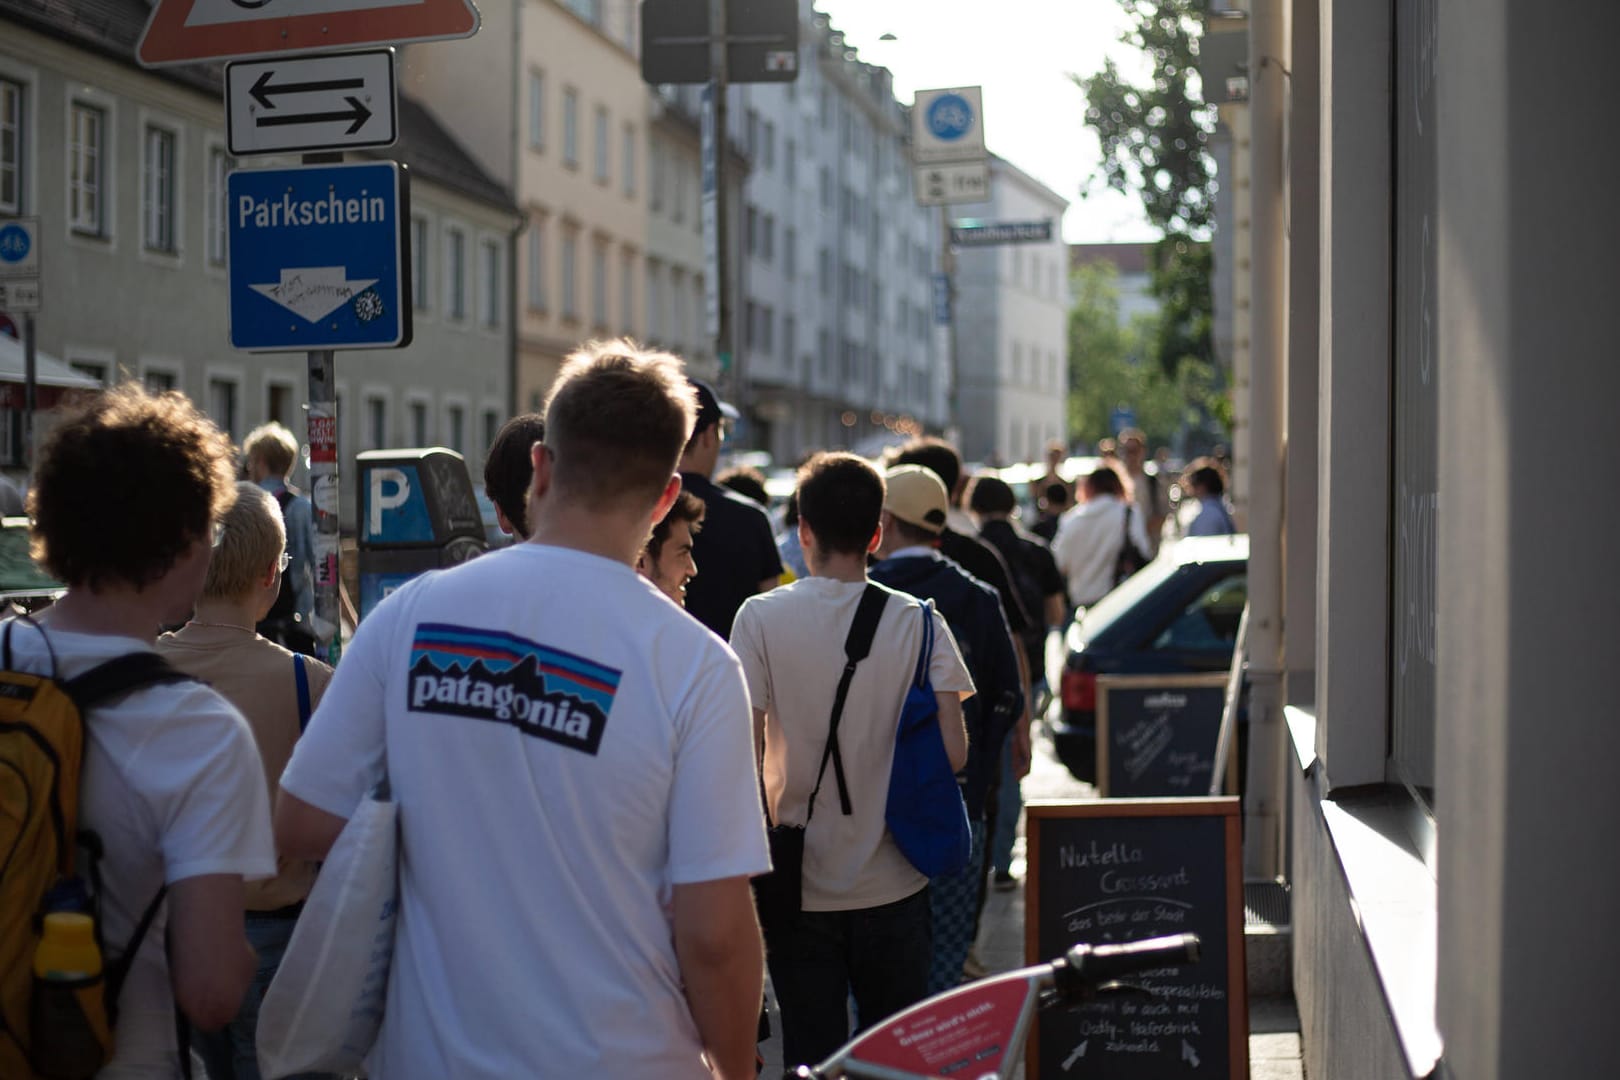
[(864, 928), (171, 780), (572, 759)]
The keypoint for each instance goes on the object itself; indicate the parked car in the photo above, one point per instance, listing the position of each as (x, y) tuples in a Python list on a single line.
[(23, 585), (1179, 613)]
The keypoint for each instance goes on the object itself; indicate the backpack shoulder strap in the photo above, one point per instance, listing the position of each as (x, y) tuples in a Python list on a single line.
[(120, 675), (301, 678), (283, 497), (857, 646), (927, 652)]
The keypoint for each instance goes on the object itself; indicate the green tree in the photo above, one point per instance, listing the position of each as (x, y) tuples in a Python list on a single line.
[(1155, 139)]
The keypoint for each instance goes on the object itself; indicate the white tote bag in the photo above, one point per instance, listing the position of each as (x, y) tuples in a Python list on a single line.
[(325, 1005)]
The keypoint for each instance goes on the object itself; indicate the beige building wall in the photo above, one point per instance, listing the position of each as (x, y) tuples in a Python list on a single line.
[(555, 108)]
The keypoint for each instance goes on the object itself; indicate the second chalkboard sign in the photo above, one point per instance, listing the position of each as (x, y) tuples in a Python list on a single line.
[(1118, 870), (1156, 734)]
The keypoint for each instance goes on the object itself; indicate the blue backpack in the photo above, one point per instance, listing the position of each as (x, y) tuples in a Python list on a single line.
[(925, 812)]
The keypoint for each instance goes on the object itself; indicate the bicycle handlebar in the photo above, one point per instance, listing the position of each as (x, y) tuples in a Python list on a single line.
[(1085, 967)]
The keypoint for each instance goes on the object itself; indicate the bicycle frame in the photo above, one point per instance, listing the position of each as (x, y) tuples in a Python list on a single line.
[(974, 1032)]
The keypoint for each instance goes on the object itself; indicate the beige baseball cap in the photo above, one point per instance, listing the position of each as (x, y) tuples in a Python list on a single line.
[(916, 496)]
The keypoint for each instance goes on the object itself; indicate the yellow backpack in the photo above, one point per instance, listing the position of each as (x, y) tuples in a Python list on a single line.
[(61, 1029)]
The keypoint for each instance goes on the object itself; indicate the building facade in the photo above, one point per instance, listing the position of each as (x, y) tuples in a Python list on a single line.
[(1430, 381), (125, 169), (1011, 323)]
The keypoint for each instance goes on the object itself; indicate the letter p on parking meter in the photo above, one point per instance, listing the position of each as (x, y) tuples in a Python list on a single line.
[(418, 512)]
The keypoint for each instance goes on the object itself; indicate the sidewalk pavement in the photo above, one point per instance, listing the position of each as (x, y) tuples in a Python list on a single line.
[(1274, 1044)]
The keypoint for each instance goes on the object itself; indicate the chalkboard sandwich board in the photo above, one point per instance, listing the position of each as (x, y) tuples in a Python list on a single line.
[(1126, 869), (1157, 734)]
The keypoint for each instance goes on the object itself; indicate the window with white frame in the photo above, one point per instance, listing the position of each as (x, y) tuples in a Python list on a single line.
[(489, 283), (770, 146), (222, 404), (790, 163), (655, 173), (419, 263), (570, 274), (655, 301), (376, 422), (157, 381), (599, 285), (455, 273), (602, 167), (678, 208), (536, 257), (627, 161), (627, 287), (93, 368), (492, 427), (87, 169), (219, 166), (571, 127), (768, 237), (278, 403), (537, 110), (678, 331), (157, 189), (417, 411), (455, 423), (790, 252), (12, 146)]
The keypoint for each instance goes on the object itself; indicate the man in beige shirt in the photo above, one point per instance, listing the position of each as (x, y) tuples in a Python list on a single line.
[(276, 690)]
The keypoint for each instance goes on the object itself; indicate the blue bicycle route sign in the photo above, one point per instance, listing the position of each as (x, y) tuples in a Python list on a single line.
[(318, 257), (19, 253), (950, 116)]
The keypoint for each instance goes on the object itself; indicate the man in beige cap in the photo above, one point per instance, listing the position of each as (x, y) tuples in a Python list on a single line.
[(914, 513)]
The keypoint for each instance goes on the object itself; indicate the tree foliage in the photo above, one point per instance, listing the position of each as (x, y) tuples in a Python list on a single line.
[(1155, 143)]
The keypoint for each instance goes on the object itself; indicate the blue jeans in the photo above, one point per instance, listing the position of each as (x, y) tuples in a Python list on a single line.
[(879, 954), (231, 1053), (1009, 803)]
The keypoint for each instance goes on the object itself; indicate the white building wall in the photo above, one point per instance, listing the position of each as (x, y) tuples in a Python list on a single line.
[(118, 310), (1012, 326)]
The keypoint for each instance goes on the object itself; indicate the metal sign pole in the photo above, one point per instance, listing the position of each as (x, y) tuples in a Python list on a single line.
[(324, 487), (723, 353), (30, 384)]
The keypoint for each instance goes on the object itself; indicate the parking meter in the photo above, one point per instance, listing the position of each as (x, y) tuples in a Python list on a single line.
[(418, 512)]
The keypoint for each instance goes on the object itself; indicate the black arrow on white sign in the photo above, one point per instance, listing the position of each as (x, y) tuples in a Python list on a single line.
[(357, 112), (263, 91)]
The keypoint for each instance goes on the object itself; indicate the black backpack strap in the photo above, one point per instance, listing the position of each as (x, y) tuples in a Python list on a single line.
[(118, 970), (120, 675), (856, 648)]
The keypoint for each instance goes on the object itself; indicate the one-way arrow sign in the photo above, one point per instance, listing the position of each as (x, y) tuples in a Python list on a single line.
[(299, 104)]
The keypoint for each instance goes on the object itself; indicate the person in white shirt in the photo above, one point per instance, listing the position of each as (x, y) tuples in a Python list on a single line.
[(572, 756), (865, 928), (1091, 536), (171, 781)]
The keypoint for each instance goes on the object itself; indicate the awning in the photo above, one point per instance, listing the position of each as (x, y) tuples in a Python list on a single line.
[(52, 377)]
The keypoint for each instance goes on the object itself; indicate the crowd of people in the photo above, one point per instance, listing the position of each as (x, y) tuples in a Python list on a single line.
[(635, 693)]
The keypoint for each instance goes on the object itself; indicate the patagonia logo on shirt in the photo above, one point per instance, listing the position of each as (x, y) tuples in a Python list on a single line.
[(489, 675)]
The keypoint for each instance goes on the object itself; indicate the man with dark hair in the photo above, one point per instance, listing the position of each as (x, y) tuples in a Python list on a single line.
[(126, 505), (577, 759), (1040, 585), (747, 481), (914, 512), (864, 928), (667, 560), (736, 551), (1203, 481), (1091, 536), (1053, 503), (507, 472)]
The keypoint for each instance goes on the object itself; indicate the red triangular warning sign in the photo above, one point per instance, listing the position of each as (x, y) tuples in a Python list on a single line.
[(188, 31)]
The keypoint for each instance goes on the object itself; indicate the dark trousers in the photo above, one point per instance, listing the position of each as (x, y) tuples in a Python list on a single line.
[(880, 955)]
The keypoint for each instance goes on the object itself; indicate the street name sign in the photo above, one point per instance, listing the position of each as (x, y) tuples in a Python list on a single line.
[(952, 182), (19, 295), (992, 233), (186, 31), (948, 125), (319, 257), (298, 104)]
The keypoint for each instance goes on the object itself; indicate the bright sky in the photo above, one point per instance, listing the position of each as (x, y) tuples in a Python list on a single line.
[(1022, 52)]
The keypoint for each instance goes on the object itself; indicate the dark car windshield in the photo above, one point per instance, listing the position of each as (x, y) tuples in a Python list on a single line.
[(1100, 615)]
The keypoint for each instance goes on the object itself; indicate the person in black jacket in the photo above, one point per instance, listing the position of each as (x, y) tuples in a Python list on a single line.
[(914, 510)]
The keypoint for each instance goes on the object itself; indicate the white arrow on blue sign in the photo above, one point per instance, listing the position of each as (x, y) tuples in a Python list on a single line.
[(319, 257)]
